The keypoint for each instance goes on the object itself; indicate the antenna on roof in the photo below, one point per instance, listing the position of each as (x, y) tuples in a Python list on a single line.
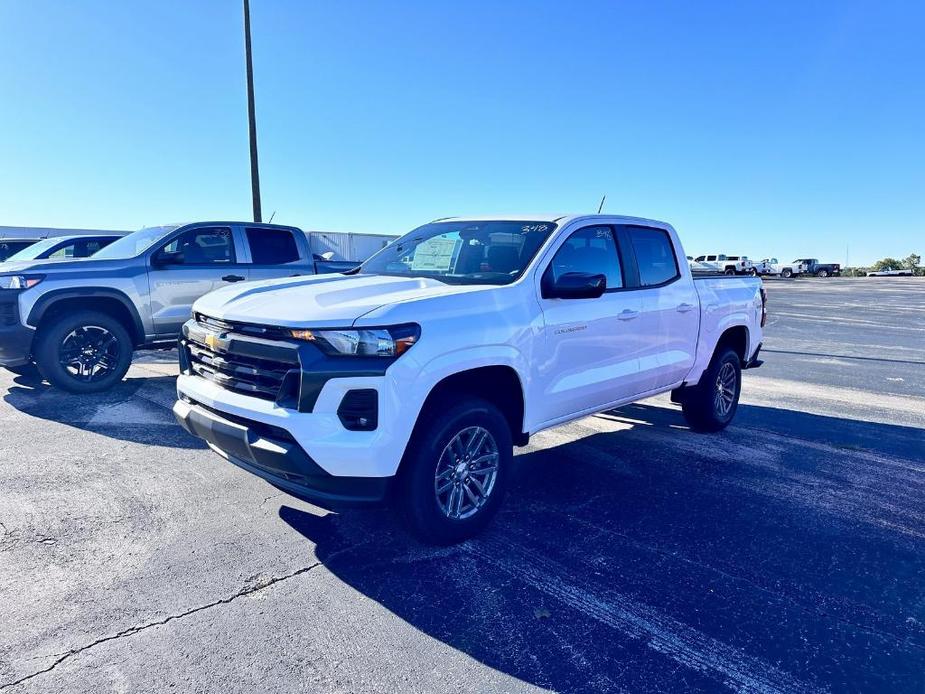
[(271, 217), (601, 206)]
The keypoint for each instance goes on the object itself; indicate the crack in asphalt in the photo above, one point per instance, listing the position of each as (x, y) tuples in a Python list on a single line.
[(249, 590)]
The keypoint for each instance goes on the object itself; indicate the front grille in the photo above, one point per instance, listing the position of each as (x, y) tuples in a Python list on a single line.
[(261, 377)]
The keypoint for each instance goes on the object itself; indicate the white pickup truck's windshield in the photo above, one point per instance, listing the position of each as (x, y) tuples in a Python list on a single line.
[(135, 243), (491, 252)]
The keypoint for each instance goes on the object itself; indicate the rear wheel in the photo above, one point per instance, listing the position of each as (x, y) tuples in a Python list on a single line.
[(786, 272), (730, 271), (822, 273), (712, 403), (86, 352), (455, 473)]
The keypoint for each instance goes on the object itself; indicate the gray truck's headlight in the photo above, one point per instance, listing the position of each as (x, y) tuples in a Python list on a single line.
[(364, 342), (19, 281)]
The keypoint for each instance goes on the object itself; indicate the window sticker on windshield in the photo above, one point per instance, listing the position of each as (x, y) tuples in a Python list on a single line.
[(434, 254), (527, 228)]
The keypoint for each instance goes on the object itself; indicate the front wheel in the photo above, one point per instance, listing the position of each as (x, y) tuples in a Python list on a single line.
[(712, 403), (85, 352), (455, 473)]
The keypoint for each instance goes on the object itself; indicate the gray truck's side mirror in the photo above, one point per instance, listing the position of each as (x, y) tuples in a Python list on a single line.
[(163, 258), (575, 285)]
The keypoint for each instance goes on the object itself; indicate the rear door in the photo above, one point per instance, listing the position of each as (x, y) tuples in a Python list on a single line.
[(591, 345), (192, 263), (670, 318), (274, 252)]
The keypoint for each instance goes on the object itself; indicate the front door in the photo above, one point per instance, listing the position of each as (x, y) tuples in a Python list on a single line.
[(591, 345), (191, 264)]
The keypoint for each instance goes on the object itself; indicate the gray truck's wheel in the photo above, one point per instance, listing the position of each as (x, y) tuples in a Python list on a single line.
[(455, 471), (712, 403), (786, 272), (85, 352)]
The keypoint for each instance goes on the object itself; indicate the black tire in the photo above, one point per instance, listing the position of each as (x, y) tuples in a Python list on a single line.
[(729, 271), (753, 272), (786, 272), (701, 403), (107, 342), (822, 273), (425, 512)]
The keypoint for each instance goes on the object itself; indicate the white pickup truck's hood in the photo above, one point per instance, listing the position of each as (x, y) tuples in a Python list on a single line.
[(318, 301)]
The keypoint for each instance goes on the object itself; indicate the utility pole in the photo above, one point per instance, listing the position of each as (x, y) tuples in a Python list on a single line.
[(251, 117)]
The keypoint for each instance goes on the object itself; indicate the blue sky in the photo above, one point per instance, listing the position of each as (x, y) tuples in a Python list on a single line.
[(779, 129)]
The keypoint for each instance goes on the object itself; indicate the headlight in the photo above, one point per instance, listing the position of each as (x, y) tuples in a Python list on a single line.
[(19, 281), (367, 342)]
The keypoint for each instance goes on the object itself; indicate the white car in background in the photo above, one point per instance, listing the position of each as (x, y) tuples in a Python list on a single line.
[(890, 272), (727, 264)]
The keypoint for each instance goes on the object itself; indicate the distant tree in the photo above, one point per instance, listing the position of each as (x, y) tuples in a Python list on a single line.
[(888, 263), (912, 261)]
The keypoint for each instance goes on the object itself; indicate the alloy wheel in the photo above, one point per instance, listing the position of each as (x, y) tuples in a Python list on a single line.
[(89, 353), (466, 473)]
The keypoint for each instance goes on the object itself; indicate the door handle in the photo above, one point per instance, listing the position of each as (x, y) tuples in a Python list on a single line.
[(627, 314), (684, 308), (232, 278)]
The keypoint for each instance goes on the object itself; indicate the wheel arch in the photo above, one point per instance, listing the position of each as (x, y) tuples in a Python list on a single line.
[(499, 384), (109, 301)]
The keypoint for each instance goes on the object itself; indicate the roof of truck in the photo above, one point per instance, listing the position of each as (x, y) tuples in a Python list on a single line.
[(558, 218)]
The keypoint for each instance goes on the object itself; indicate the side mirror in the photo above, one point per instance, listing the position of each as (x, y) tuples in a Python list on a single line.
[(163, 258), (575, 285)]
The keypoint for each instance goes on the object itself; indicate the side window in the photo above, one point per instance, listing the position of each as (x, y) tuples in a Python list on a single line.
[(91, 246), (592, 250), (654, 255), (699, 258), (202, 246), (711, 258), (66, 251), (272, 246)]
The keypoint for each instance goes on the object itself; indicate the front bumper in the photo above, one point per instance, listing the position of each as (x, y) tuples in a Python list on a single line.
[(315, 426), (271, 453), (15, 338)]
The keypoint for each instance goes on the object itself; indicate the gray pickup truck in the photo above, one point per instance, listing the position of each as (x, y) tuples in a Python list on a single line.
[(79, 321)]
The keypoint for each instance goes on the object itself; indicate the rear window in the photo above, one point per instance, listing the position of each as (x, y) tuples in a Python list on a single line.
[(654, 255), (272, 246)]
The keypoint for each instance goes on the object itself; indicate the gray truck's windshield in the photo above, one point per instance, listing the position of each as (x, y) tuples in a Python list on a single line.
[(490, 252), (135, 243)]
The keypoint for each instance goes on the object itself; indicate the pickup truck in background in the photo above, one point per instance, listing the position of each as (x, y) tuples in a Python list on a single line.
[(79, 321), (412, 378), (727, 264), (891, 272), (810, 266)]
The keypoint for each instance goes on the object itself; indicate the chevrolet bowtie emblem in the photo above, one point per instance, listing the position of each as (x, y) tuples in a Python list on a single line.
[(212, 341)]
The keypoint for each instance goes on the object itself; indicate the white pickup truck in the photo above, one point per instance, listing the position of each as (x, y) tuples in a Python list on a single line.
[(412, 378)]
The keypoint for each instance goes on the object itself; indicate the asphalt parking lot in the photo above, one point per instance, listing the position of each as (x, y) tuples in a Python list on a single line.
[(785, 554)]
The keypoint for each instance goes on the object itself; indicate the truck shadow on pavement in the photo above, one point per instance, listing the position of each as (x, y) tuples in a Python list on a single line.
[(650, 558), (136, 410)]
